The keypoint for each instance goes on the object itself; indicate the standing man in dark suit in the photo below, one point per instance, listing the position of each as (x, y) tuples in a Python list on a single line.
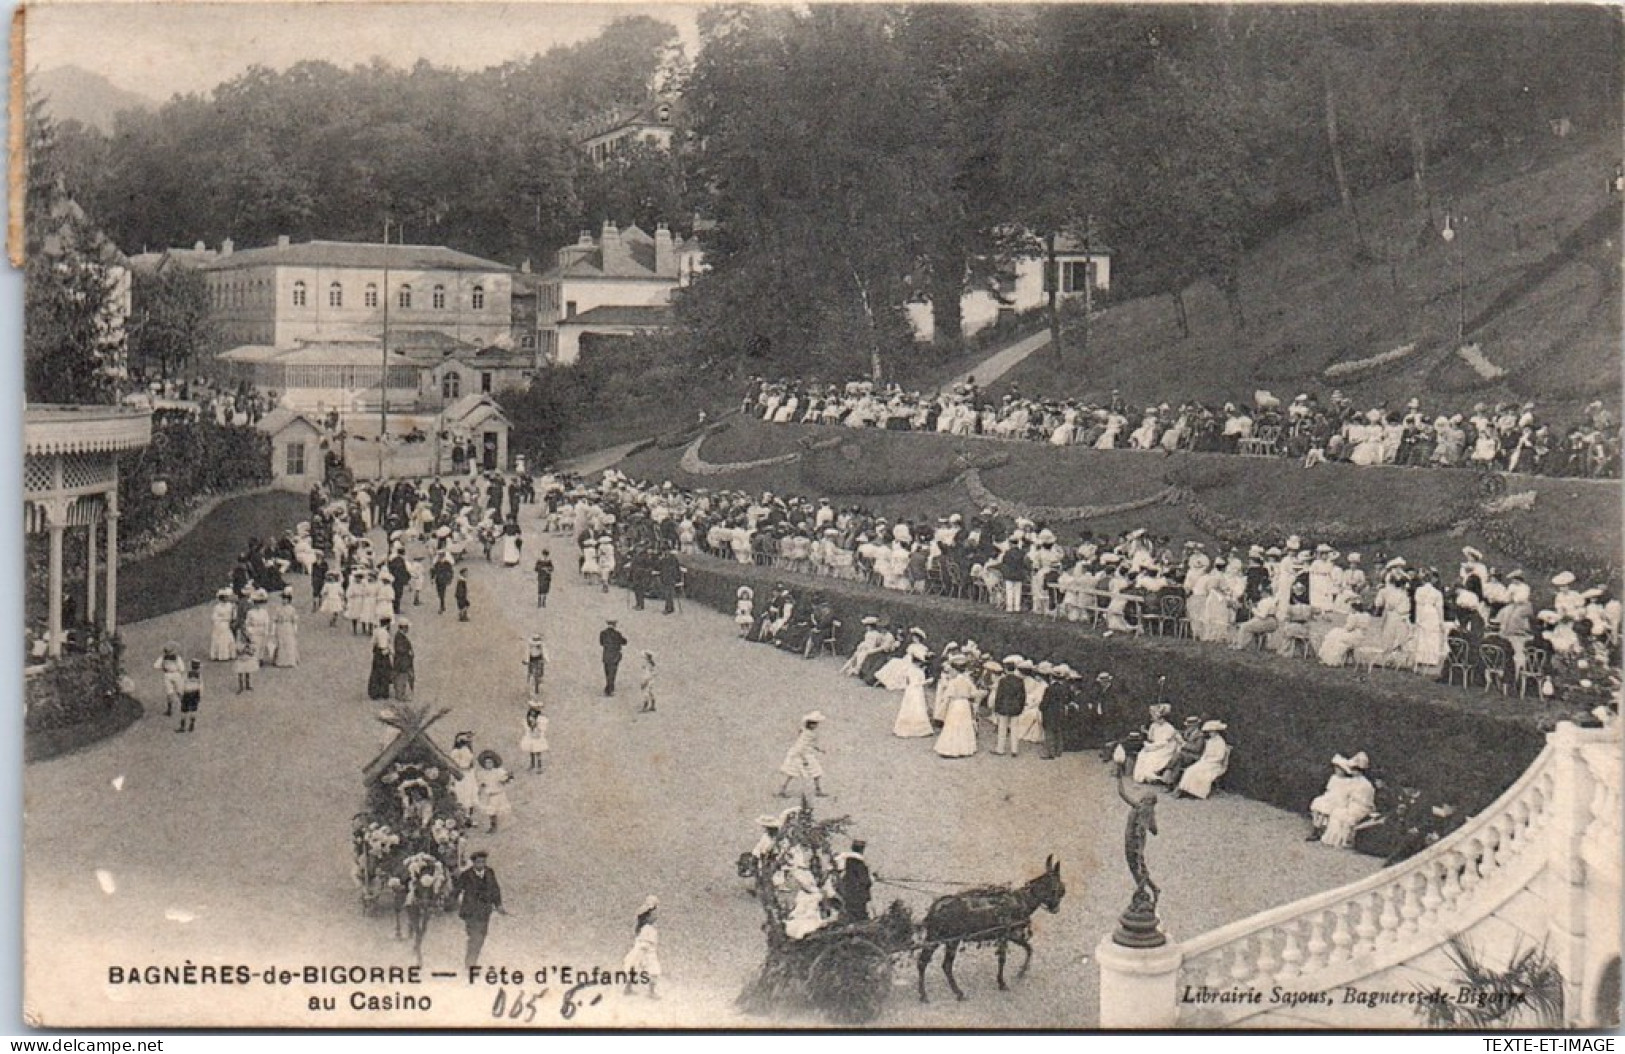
[(544, 578), (855, 883), (1053, 707), (442, 573), (671, 573), (478, 895), (612, 642)]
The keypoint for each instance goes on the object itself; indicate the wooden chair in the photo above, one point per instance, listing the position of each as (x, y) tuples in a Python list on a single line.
[(1458, 660), (1261, 443), (1533, 671), (828, 646), (1494, 658), (1174, 617)]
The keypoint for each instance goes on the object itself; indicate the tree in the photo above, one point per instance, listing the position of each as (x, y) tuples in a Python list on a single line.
[(169, 321), (74, 286)]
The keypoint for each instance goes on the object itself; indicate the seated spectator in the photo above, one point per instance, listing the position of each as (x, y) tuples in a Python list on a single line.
[(1347, 802)]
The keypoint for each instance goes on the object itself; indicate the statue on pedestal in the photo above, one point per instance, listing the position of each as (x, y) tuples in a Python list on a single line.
[(1139, 926)]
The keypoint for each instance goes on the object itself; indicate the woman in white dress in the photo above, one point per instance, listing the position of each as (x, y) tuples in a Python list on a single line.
[(913, 716), (1431, 631), (1198, 780), (606, 562), (222, 645), (1348, 800), (958, 736), (285, 622), (893, 673), (511, 544), (589, 558), (1340, 641), (1394, 600), (257, 624), (1161, 745), (465, 789)]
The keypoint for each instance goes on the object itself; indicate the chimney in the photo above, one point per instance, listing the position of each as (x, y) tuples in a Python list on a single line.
[(617, 259), (226, 247), (665, 252), (282, 241)]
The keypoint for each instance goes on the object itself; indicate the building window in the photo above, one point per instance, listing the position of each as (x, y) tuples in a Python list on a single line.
[(485, 382), (479, 298), (335, 295), (451, 385), (299, 294), (296, 459), (370, 296), (569, 309), (528, 341), (439, 298), (404, 298)]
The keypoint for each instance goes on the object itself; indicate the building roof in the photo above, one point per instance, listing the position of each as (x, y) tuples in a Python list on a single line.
[(622, 315), (473, 407), (656, 113), (587, 260), (498, 358), (281, 418), (159, 262), (356, 254), (55, 428)]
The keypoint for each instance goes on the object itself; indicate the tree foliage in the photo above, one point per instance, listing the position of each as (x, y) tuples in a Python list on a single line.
[(170, 325), (74, 286)]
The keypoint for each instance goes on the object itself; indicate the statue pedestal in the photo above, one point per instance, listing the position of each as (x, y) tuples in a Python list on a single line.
[(1139, 986)]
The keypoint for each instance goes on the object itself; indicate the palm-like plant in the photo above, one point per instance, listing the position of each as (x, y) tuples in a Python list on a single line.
[(1529, 991)]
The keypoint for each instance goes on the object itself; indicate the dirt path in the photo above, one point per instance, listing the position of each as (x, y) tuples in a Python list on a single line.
[(1003, 361), (231, 845)]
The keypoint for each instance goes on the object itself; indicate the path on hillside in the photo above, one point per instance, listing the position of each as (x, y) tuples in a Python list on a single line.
[(595, 461), (1003, 361), (232, 844)]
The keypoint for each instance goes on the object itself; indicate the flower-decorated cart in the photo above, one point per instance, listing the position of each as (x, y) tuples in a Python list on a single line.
[(408, 841)]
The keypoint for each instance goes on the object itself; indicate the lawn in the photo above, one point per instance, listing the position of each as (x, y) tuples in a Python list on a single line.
[(201, 561), (1538, 286)]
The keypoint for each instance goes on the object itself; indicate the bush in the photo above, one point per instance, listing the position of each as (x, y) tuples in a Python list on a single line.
[(74, 690), (1287, 718)]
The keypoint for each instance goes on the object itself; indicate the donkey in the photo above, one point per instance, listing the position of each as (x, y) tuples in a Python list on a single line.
[(996, 915)]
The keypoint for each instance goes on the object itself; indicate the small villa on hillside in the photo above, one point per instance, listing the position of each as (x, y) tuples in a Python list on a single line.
[(1026, 286)]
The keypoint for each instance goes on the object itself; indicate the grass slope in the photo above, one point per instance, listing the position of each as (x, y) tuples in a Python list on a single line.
[(1377, 503), (199, 563), (1538, 244)]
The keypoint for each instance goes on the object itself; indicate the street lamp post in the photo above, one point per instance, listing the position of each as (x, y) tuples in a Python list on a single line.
[(1449, 235)]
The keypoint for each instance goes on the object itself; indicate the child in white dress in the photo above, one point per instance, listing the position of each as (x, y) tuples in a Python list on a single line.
[(534, 741), (493, 779), (744, 609)]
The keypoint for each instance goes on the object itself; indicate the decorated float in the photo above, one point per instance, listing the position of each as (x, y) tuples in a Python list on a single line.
[(408, 840)]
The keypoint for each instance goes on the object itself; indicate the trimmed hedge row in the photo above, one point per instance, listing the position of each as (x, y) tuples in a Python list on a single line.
[(1287, 717)]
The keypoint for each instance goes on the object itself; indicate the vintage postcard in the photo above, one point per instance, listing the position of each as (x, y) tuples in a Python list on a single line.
[(969, 516)]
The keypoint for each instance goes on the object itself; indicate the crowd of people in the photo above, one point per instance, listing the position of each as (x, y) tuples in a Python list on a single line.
[(1508, 437), (1473, 624)]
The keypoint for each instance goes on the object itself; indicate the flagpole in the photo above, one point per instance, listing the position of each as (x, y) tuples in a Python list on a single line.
[(383, 376)]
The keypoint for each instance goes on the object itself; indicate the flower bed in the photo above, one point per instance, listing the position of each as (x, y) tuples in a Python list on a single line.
[(1345, 371), (1474, 357), (1058, 513), (1287, 718), (76, 700)]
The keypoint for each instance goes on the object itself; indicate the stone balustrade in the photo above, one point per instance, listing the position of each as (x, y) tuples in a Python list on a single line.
[(1404, 912)]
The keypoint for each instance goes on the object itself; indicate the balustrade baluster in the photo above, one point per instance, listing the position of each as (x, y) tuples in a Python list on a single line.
[(1432, 894), (1241, 961), (1388, 921), (1342, 937), (1490, 861), (1291, 952), (1316, 949), (1410, 903), (1216, 974), (1454, 864), (1472, 872), (1267, 962), (1370, 925)]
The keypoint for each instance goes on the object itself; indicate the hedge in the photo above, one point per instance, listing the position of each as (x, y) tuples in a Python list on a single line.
[(1287, 717)]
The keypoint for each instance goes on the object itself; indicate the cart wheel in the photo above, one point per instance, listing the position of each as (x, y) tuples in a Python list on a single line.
[(850, 980)]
